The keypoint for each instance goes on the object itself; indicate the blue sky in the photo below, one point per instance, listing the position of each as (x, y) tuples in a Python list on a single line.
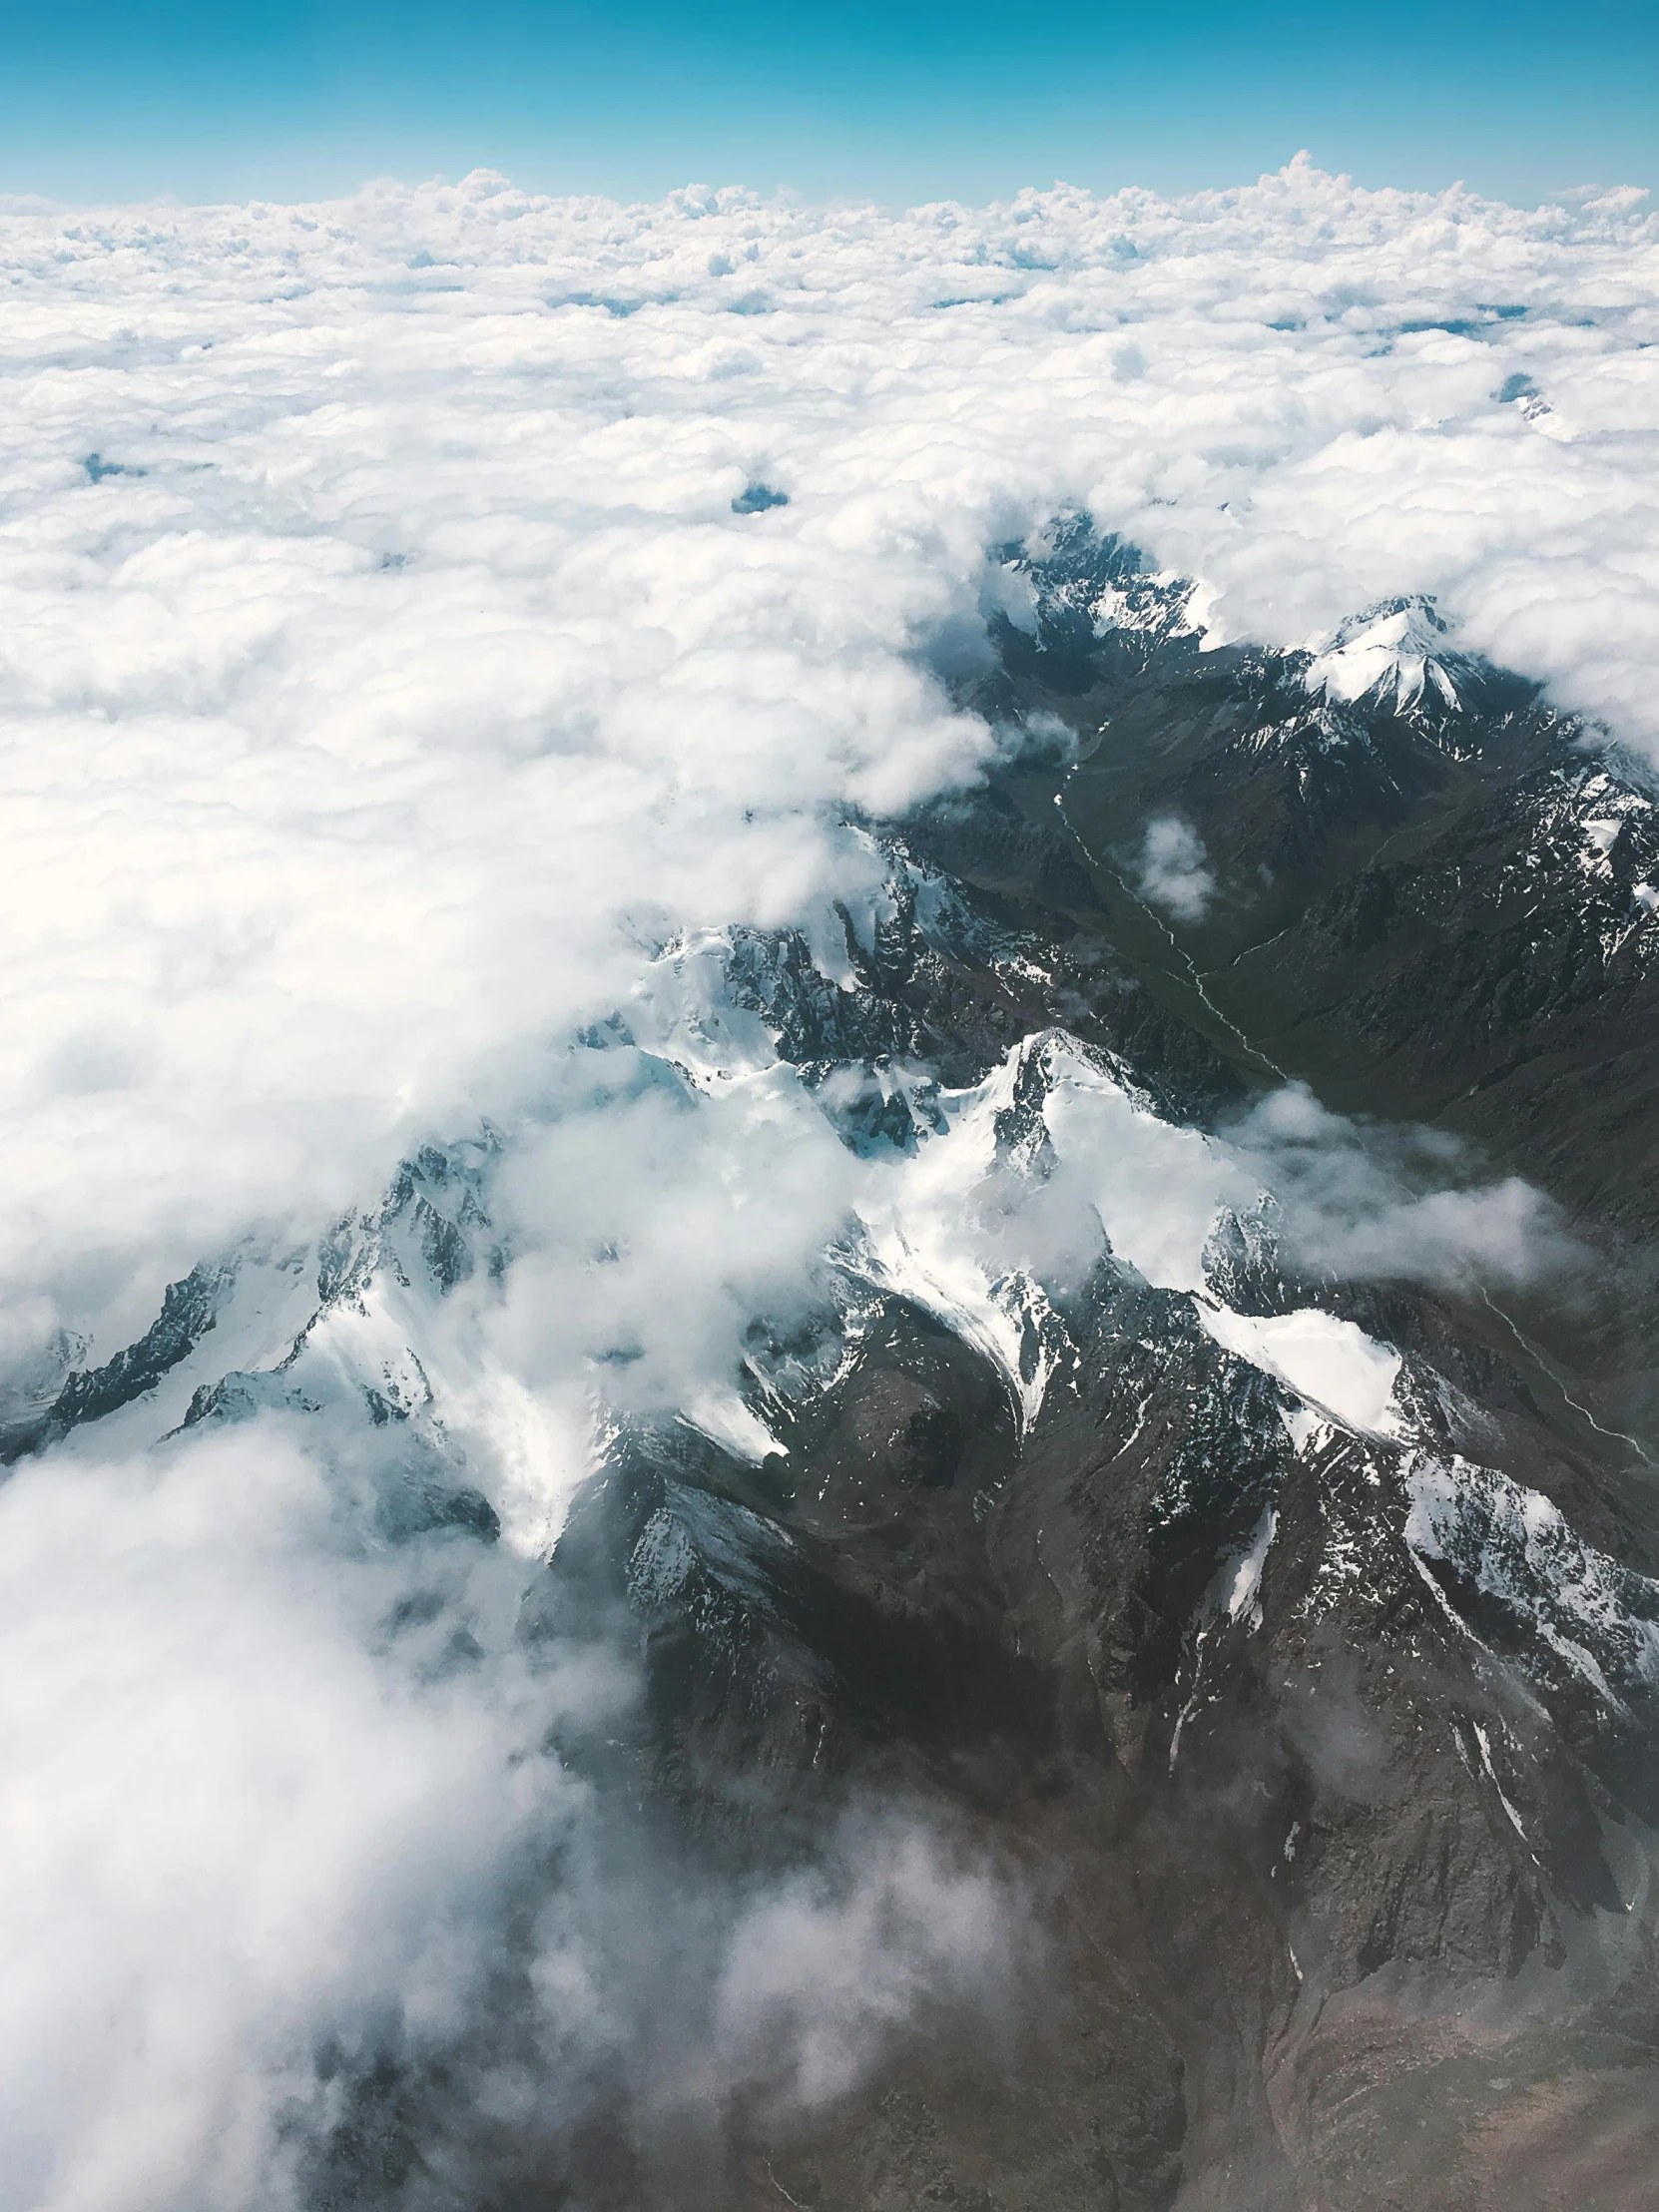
[(897, 103)]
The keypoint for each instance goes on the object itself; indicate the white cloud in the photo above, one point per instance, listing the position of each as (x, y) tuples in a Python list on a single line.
[(274, 1807), (1172, 874), (238, 1810), (1383, 1201), (824, 1971), (306, 852)]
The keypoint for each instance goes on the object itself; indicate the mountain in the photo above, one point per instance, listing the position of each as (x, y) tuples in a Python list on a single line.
[(1281, 1630)]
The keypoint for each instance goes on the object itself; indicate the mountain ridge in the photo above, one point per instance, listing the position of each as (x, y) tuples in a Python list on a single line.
[(1274, 1629)]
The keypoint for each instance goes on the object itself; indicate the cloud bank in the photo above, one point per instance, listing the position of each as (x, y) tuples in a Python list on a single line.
[(384, 663)]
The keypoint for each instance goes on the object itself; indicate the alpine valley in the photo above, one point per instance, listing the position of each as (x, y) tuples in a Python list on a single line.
[(1205, 1494)]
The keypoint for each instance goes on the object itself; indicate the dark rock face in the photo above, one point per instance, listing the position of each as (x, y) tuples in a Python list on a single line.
[(1432, 901), (1319, 1749), (189, 1311), (1314, 1761)]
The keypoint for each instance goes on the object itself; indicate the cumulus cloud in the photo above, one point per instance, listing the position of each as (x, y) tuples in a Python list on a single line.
[(398, 682), (822, 1972), (650, 1228), (1363, 1199), (241, 1807), (1171, 871), (386, 661), (278, 1812), (1386, 1201)]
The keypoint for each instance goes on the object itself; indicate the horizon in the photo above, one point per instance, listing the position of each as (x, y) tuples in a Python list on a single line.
[(104, 103), (1613, 193)]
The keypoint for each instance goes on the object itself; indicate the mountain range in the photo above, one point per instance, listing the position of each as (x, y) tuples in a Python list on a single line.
[(1208, 1489)]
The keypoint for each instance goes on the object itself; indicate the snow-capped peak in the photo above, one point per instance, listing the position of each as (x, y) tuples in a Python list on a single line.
[(1399, 650)]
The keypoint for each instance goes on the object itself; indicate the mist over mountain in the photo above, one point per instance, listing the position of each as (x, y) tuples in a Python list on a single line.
[(824, 1356)]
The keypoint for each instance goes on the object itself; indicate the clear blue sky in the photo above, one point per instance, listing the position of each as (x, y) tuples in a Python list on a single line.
[(897, 103)]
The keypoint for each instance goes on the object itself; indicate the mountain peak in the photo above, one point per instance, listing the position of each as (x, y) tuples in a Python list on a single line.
[(1397, 650)]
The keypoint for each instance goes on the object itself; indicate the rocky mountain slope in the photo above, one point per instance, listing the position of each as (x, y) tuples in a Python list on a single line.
[(1284, 1637)]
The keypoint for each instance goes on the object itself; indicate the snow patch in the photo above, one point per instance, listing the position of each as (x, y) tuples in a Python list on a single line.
[(1244, 1601), (725, 1420), (1599, 1619), (1308, 1430), (1330, 1363), (925, 1238)]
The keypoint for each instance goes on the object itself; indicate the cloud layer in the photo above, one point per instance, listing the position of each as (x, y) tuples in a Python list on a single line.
[(384, 664)]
